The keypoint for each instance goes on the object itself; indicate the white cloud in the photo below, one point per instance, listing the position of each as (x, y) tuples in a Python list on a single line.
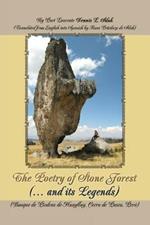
[(110, 38), (83, 132), (85, 67), (30, 95), (68, 50), (36, 48), (114, 131), (32, 133)]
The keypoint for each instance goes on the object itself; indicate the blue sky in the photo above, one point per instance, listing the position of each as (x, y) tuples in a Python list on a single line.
[(92, 57)]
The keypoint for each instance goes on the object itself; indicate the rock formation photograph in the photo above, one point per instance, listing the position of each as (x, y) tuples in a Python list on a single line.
[(75, 97)]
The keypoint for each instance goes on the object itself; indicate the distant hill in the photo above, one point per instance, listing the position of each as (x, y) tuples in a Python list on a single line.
[(108, 140), (32, 141), (113, 140)]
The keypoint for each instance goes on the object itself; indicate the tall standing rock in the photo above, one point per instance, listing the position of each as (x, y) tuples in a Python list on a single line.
[(58, 97)]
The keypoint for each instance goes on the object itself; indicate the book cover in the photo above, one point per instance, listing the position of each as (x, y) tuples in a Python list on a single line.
[(74, 112)]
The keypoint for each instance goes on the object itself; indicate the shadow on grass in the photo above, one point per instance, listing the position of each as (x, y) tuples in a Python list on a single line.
[(80, 154)]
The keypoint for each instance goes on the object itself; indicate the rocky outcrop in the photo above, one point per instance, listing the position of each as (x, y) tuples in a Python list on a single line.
[(58, 97), (97, 145)]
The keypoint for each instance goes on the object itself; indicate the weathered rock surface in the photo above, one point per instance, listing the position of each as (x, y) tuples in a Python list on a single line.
[(97, 145), (58, 97)]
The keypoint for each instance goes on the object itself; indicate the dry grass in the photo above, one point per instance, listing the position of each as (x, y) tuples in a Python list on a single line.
[(36, 158)]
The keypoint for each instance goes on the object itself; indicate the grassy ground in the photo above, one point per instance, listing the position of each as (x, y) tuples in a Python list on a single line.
[(36, 158)]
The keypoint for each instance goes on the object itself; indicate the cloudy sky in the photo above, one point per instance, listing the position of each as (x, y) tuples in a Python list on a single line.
[(96, 58)]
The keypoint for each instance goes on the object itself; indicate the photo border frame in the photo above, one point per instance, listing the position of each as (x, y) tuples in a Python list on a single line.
[(123, 100)]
